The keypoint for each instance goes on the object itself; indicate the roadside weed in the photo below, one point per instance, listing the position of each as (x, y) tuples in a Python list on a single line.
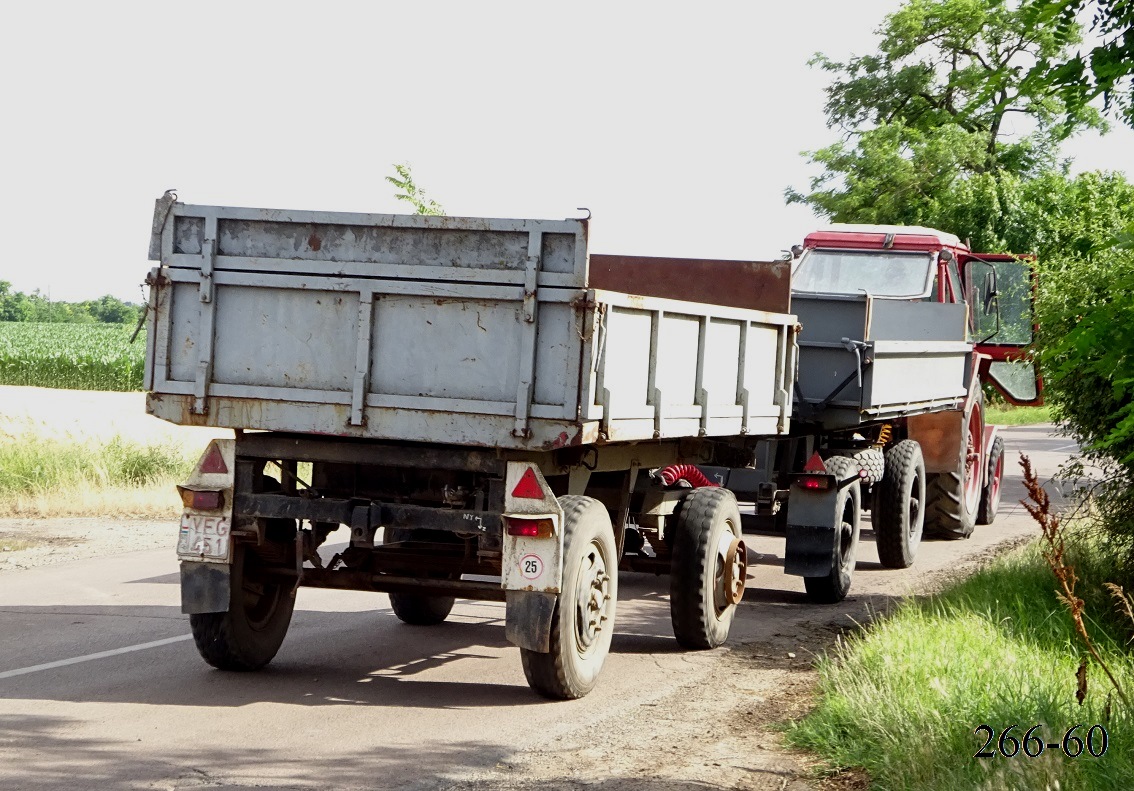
[(903, 699)]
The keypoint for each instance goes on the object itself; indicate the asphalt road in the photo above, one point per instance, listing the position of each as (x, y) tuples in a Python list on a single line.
[(101, 687)]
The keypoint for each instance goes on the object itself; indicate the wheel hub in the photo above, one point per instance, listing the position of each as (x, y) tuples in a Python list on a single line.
[(732, 565), (592, 604)]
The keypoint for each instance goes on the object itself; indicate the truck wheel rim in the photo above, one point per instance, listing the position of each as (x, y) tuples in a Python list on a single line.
[(592, 604), (732, 572), (260, 602), (997, 476), (915, 507), (971, 486)]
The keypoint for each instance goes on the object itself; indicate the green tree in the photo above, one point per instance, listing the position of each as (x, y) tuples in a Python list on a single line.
[(13, 306), (928, 110), (111, 310), (413, 194), (1106, 70)]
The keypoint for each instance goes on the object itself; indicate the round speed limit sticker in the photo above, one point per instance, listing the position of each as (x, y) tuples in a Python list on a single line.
[(531, 567)]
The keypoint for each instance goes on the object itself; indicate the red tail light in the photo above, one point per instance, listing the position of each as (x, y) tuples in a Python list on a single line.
[(530, 528), (814, 482), (202, 500)]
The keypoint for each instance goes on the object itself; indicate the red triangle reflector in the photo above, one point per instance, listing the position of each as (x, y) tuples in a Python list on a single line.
[(528, 487), (815, 464), (213, 461)]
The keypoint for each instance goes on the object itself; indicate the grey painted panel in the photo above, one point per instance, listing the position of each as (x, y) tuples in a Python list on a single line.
[(822, 369), (830, 318), (185, 313), (558, 253), (760, 365), (908, 378), (445, 348), (376, 244), (627, 370), (285, 338), (901, 320), (557, 357), (722, 362), (677, 359)]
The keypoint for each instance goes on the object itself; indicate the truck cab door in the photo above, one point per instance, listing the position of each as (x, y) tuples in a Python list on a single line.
[(1000, 293)]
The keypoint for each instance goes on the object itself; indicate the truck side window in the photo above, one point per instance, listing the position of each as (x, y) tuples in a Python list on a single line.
[(1014, 295)]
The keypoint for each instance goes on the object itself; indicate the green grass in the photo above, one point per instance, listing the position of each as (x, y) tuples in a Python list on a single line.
[(75, 356), (56, 476), (902, 699), (1009, 415)]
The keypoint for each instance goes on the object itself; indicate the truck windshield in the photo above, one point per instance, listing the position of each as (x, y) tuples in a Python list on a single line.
[(881, 273)]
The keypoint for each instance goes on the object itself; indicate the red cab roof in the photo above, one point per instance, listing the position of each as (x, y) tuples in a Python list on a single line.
[(883, 237)]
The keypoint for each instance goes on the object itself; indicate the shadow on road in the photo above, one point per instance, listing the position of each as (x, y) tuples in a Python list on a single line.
[(50, 759)]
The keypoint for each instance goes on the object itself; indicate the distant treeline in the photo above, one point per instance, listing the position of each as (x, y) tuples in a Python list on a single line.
[(18, 306)]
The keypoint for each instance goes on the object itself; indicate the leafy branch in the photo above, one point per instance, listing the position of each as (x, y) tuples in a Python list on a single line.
[(411, 193)]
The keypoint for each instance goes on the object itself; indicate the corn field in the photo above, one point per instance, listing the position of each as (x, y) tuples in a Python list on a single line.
[(72, 356)]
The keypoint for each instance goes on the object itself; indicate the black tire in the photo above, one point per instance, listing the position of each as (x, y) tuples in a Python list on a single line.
[(898, 512), (990, 494), (709, 559), (953, 498), (835, 586), (248, 636), (417, 609), (583, 622)]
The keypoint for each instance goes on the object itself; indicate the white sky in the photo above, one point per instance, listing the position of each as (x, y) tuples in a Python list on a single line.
[(678, 128)]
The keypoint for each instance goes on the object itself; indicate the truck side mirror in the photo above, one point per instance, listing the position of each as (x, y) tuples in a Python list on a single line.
[(990, 294)]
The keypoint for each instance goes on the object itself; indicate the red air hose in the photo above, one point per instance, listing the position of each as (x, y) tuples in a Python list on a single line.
[(688, 472)]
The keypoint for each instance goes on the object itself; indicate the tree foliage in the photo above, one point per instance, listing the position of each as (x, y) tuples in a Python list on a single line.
[(411, 193), (938, 105), (18, 306), (1105, 70)]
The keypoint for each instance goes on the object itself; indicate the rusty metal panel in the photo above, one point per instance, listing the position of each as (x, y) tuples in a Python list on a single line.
[(939, 435), (753, 285)]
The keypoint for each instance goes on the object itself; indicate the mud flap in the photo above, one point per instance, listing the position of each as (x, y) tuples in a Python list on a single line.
[(528, 619), (204, 587), (810, 549)]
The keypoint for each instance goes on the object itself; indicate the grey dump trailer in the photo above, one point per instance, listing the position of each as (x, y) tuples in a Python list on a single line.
[(465, 401), (485, 410)]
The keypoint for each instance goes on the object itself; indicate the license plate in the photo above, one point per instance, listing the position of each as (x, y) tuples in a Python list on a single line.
[(207, 538)]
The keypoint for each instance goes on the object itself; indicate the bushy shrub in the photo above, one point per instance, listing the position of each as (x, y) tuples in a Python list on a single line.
[(1086, 350)]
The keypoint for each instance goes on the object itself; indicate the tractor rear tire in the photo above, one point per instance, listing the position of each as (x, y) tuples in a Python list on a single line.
[(953, 497)]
